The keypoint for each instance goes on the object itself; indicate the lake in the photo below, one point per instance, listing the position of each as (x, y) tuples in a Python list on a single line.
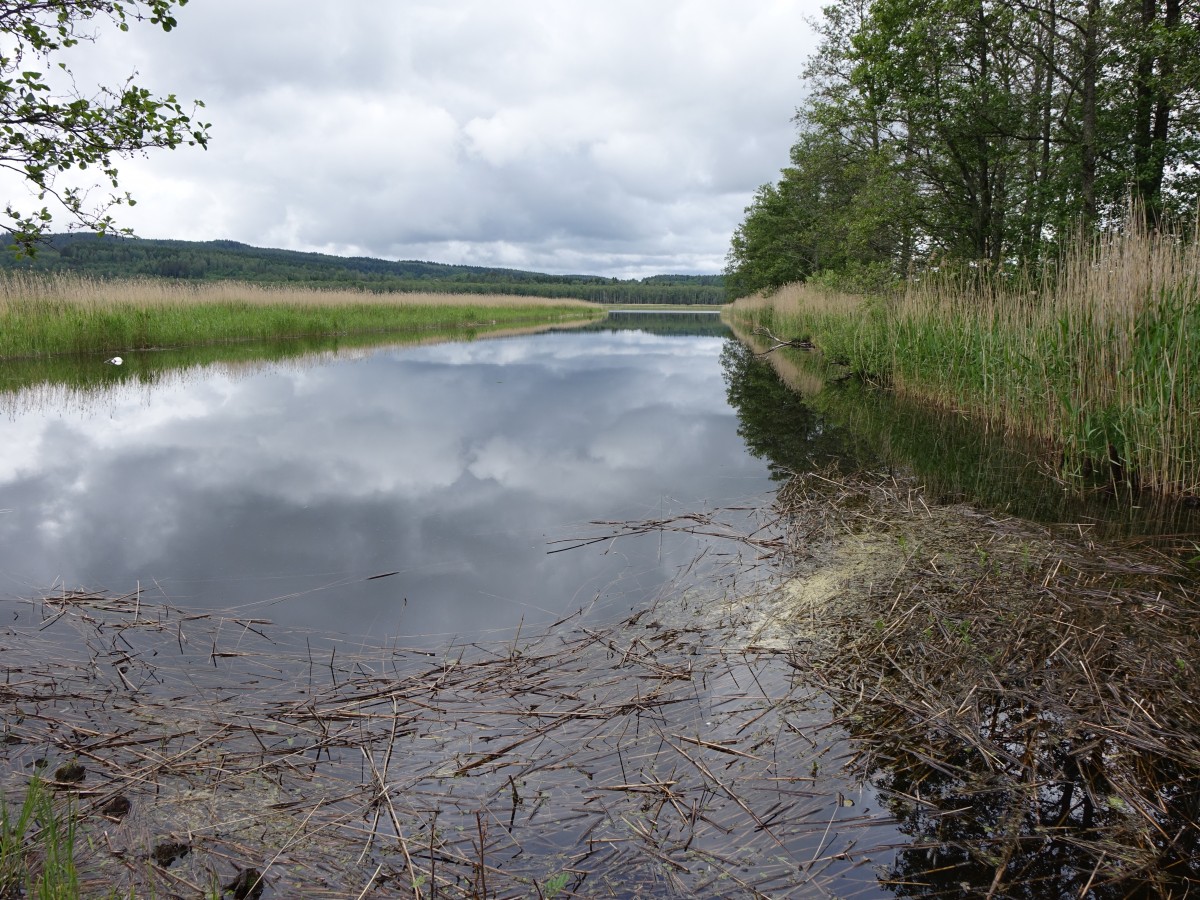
[(282, 490)]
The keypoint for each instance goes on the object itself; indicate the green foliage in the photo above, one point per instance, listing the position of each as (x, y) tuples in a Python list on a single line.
[(48, 328), (868, 279), (111, 257), (37, 847), (766, 252), (978, 130), (48, 128), (555, 884), (834, 209)]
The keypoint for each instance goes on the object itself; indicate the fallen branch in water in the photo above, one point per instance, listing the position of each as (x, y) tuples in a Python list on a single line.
[(778, 342)]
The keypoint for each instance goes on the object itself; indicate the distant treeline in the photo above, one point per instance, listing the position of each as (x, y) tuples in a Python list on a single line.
[(114, 257), (671, 323)]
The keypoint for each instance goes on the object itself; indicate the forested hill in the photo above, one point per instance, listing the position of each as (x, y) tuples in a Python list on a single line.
[(113, 257)]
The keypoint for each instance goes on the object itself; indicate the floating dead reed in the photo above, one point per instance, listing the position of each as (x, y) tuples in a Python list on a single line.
[(923, 701), (1024, 703), (648, 756)]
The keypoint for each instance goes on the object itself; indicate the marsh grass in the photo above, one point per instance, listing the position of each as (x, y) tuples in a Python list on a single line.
[(57, 314), (37, 846), (71, 380), (1101, 356)]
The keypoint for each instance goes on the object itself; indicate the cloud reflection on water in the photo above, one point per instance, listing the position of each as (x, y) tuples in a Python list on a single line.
[(453, 463)]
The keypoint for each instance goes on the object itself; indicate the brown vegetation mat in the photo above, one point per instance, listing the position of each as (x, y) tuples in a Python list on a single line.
[(928, 702), (1025, 703)]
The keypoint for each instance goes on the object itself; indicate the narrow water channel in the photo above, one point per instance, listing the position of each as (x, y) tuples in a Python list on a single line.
[(412, 501)]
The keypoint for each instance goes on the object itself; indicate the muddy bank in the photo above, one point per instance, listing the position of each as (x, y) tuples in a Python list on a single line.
[(884, 696)]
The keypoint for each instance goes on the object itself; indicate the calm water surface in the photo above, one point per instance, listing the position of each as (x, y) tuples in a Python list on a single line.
[(281, 491)]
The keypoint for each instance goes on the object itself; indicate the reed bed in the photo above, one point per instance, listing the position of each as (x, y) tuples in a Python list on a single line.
[(1101, 356), (56, 314)]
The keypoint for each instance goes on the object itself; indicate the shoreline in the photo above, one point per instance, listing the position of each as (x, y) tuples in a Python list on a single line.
[(58, 316)]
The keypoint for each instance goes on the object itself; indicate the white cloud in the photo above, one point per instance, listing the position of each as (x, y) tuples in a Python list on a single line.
[(620, 138)]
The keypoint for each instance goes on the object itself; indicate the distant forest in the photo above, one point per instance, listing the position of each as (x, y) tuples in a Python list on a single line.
[(118, 257), (667, 322)]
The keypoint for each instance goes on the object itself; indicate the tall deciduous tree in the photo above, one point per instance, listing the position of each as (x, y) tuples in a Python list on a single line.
[(984, 130), (49, 128)]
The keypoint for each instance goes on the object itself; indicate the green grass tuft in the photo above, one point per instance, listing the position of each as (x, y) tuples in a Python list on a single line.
[(37, 847)]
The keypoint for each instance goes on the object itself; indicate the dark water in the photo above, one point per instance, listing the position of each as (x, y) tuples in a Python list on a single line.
[(283, 488), (805, 420)]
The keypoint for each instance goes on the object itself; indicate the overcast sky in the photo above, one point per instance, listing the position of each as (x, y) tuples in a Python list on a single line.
[(622, 137)]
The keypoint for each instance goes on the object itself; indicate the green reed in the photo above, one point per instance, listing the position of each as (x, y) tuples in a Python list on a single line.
[(1101, 356), (37, 847), (42, 316), (35, 382)]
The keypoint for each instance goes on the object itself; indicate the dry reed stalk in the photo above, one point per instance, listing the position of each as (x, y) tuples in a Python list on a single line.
[(1046, 685), (580, 753), (18, 289)]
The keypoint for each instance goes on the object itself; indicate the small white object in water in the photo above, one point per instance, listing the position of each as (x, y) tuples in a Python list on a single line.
[(115, 361)]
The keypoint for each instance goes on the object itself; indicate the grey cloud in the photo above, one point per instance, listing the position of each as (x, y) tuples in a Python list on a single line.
[(619, 138), (236, 490)]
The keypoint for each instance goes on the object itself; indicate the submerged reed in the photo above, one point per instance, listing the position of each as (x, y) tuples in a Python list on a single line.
[(1101, 356), (45, 315)]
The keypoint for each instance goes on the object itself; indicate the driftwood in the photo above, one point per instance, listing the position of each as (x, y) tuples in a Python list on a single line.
[(778, 342)]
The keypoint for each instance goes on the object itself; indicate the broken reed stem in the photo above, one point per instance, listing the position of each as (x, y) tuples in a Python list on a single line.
[(1043, 682), (269, 770)]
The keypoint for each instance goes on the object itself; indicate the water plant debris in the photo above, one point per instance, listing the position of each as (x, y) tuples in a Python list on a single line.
[(912, 697)]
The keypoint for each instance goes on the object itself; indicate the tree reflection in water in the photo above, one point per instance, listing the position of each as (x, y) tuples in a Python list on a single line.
[(1055, 830), (797, 415)]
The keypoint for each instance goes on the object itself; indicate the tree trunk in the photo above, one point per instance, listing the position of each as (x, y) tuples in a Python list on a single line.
[(1160, 130), (1088, 125), (1143, 112)]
